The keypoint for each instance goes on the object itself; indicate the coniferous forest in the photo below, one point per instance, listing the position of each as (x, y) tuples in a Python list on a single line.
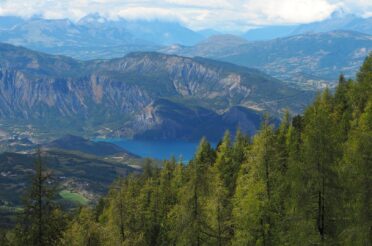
[(306, 182)]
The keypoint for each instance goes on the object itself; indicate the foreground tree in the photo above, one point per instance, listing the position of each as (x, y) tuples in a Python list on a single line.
[(83, 230), (123, 216), (218, 204), (189, 215), (357, 185), (319, 173), (255, 208), (41, 222)]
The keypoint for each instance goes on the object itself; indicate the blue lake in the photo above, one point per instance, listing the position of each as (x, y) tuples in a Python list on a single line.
[(157, 149)]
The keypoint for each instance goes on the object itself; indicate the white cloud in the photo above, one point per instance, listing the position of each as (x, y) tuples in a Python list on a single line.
[(290, 11), (232, 15), (146, 13), (361, 7)]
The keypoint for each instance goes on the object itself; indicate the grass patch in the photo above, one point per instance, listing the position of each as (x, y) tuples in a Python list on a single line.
[(73, 197)]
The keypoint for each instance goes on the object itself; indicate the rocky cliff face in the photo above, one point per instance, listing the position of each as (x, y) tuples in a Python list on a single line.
[(124, 93)]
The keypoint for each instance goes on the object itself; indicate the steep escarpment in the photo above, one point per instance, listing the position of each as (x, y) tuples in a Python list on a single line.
[(119, 96), (176, 121), (218, 85)]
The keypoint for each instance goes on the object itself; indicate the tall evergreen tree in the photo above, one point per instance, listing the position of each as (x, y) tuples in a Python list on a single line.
[(83, 230), (41, 222), (362, 91), (223, 164), (218, 208), (123, 216), (342, 108), (357, 173), (238, 151), (320, 180), (218, 205), (282, 183), (189, 216), (254, 211), (294, 229)]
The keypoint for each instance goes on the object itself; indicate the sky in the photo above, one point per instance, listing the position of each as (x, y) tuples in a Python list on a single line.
[(224, 15)]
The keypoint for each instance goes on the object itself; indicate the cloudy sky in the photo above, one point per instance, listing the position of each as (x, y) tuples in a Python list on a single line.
[(233, 15)]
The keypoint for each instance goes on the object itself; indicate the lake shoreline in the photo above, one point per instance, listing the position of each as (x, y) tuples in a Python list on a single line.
[(157, 149)]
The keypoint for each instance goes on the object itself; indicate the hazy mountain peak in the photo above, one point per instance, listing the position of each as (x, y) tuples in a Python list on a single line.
[(227, 38), (93, 18), (339, 20), (208, 32), (339, 13)]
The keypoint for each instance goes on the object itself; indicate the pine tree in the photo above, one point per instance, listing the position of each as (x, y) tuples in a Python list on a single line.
[(281, 143), (189, 218), (238, 151), (281, 193), (169, 188), (362, 91), (254, 210), (172, 226), (295, 227), (41, 222), (223, 164), (83, 230), (343, 108), (123, 216), (357, 173), (218, 205), (319, 177), (218, 210)]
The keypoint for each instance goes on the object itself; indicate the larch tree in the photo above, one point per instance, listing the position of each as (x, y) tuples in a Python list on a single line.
[(254, 209), (41, 222), (188, 216), (357, 173), (218, 204), (320, 177)]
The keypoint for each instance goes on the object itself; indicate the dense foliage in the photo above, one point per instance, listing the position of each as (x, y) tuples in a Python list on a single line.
[(307, 182)]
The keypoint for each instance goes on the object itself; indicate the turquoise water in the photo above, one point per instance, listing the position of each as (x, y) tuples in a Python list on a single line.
[(157, 149)]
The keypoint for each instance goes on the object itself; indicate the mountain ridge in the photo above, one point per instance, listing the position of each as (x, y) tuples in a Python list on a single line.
[(119, 93), (98, 37), (311, 60), (94, 37), (75, 143), (338, 20)]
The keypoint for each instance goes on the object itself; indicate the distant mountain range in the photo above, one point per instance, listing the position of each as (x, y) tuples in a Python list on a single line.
[(142, 95), (311, 60), (181, 94), (310, 56), (94, 36), (97, 37), (339, 20)]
